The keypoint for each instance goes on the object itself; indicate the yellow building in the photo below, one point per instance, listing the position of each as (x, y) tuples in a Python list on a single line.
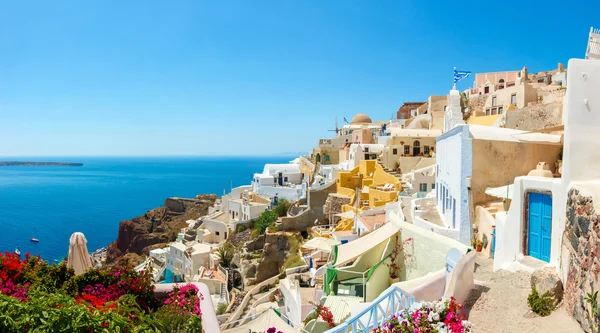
[(370, 185)]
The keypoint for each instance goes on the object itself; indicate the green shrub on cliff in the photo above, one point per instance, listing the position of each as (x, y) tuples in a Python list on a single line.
[(282, 207), (266, 219)]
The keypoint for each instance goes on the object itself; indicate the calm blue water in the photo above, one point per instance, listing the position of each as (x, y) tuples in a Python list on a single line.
[(51, 203)]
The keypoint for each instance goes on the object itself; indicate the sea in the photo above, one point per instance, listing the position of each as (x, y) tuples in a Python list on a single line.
[(51, 202)]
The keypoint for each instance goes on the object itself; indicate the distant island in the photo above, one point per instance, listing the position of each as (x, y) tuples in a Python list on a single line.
[(16, 163)]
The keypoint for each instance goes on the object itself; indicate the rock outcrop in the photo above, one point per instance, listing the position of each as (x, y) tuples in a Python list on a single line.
[(274, 253), (273, 248), (547, 280), (156, 227)]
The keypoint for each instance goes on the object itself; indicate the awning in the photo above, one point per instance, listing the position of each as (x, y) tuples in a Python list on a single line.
[(502, 192), (348, 215), (351, 250)]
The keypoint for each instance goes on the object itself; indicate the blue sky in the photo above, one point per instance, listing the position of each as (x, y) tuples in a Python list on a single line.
[(249, 77)]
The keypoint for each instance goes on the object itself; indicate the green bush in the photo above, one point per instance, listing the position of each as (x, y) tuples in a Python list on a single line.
[(293, 260), (255, 233), (543, 305), (266, 219), (37, 297), (241, 228), (169, 319), (221, 308), (294, 244), (282, 207), (48, 312)]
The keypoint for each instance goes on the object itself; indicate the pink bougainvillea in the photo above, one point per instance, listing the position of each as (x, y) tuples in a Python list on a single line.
[(187, 298), (432, 317)]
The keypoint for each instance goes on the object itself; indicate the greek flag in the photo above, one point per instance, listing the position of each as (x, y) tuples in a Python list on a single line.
[(459, 75)]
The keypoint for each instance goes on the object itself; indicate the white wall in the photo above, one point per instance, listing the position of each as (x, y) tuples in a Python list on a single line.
[(234, 194), (450, 233), (357, 152), (256, 210), (289, 193), (292, 299), (509, 226), (429, 250), (422, 178), (214, 227), (454, 165), (234, 209), (581, 147)]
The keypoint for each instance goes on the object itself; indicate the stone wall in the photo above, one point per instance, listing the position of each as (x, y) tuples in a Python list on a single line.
[(535, 117), (300, 222), (581, 248), (306, 219), (476, 105), (333, 205)]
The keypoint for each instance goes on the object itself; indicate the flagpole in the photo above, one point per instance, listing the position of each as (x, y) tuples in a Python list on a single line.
[(454, 80)]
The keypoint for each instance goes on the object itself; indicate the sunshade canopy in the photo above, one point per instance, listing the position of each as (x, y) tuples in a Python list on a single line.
[(351, 250), (502, 192), (321, 243)]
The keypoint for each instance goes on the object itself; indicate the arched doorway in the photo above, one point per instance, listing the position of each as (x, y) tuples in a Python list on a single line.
[(318, 158), (416, 148)]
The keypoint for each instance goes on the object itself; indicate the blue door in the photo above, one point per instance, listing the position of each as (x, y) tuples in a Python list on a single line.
[(540, 226)]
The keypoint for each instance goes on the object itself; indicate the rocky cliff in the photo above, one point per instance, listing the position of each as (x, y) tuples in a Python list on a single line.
[(156, 227)]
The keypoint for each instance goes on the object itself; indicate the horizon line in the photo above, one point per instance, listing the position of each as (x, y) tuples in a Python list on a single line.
[(157, 155)]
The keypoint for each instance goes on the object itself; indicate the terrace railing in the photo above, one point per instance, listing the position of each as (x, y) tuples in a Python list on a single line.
[(390, 302), (593, 48), (225, 274)]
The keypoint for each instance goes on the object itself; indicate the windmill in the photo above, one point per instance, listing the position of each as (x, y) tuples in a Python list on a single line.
[(337, 129)]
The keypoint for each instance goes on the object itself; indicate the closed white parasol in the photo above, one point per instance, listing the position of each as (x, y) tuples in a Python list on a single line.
[(79, 257)]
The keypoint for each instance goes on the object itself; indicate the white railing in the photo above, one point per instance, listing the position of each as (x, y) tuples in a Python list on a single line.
[(161, 271), (390, 302), (225, 274), (593, 48)]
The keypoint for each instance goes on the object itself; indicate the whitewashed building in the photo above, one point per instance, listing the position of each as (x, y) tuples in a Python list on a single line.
[(359, 152), (472, 157), (284, 181)]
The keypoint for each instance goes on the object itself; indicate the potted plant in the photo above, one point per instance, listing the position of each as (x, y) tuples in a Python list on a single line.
[(478, 245)]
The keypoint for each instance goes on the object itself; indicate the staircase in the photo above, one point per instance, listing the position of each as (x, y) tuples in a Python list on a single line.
[(391, 172), (224, 293), (246, 316)]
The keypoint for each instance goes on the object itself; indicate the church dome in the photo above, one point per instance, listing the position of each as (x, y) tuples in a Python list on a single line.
[(360, 119)]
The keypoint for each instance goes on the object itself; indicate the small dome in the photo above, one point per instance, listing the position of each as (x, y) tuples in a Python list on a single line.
[(360, 119)]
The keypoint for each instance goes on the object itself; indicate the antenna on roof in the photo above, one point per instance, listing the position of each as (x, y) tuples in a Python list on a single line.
[(337, 129)]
